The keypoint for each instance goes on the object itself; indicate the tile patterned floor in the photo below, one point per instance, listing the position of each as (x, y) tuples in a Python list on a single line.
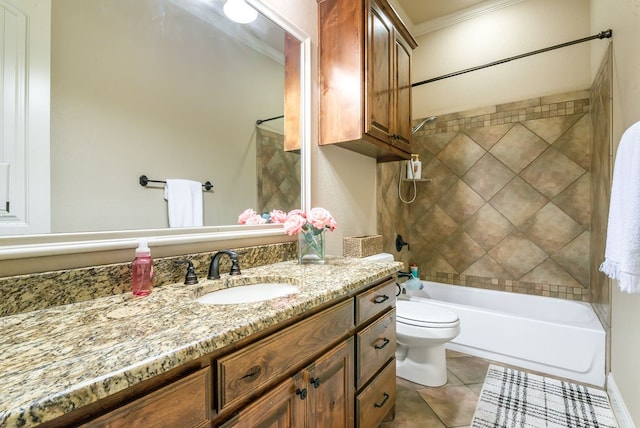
[(448, 406)]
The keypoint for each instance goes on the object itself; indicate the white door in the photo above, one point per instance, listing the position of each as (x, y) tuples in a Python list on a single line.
[(25, 33)]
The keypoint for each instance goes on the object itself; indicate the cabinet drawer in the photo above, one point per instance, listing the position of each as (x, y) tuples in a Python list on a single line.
[(375, 301), (254, 366), (376, 345), (182, 403), (377, 399)]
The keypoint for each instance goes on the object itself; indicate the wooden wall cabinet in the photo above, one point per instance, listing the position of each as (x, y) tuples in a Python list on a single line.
[(365, 78)]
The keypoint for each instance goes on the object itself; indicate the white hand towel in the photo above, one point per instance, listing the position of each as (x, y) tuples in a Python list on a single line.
[(622, 254), (184, 200)]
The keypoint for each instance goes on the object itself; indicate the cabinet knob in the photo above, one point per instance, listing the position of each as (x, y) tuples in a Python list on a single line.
[(302, 393), (315, 381), (384, 400)]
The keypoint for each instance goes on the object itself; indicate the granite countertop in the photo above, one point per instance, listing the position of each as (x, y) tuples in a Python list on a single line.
[(58, 359)]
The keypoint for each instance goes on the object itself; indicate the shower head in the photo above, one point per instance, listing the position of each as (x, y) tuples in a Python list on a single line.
[(421, 124)]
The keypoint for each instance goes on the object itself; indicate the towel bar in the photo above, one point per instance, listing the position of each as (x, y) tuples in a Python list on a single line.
[(144, 181)]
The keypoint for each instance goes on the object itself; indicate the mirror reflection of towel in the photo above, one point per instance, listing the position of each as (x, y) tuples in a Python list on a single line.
[(184, 201)]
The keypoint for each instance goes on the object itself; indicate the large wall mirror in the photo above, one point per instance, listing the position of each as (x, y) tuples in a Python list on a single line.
[(172, 89)]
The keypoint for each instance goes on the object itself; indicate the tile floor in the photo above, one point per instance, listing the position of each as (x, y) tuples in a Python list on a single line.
[(448, 406)]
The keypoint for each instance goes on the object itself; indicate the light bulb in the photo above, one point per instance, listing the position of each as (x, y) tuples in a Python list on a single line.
[(239, 11)]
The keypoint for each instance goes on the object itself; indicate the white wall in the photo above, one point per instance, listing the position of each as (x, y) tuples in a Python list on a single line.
[(623, 17), (518, 29)]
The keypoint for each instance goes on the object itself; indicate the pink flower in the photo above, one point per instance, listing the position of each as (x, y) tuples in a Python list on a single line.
[(246, 214), (321, 218), (297, 212), (278, 216), (256, 219), (294, 224)]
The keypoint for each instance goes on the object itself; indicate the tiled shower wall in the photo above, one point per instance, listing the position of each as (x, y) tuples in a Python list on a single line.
[(509, 202), (278, 173), (601, 117)]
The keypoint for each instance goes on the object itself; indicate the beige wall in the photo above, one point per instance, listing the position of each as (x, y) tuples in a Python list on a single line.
[(514, 30), (623, 17), (343, 182)]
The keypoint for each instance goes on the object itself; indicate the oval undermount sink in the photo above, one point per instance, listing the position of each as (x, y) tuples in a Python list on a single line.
[(248, 293)]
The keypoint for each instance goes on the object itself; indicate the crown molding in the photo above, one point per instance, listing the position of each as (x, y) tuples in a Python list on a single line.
[(464, 15)]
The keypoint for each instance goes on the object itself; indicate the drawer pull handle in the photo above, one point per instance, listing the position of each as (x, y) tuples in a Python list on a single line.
[(315, 381), (385, 342), (384, 400), (302, 393), (381, 299)]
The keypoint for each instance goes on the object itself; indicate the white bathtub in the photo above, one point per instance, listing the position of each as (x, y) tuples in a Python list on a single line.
[(553, 336)]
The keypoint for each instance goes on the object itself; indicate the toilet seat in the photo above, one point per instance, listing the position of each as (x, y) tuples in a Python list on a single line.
[(424, 314)]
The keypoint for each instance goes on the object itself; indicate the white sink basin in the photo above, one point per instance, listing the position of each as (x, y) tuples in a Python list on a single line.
[(248, 293)]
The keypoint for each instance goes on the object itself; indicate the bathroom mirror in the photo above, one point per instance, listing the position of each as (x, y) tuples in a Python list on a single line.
[(170, 89)]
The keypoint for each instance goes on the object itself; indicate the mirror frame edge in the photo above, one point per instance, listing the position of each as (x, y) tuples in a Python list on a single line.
[(25, 247)]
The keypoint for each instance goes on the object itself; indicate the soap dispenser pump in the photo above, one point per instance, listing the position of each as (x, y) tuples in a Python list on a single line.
[(142, 270)]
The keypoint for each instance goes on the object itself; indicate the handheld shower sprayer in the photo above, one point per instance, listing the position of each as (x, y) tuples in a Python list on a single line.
[(421, 124)]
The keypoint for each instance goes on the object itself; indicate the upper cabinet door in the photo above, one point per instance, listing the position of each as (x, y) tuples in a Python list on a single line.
[(365, 86), (379, 76), (402, 103)]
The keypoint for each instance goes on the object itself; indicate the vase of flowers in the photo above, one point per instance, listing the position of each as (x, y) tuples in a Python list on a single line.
[(309, 226)]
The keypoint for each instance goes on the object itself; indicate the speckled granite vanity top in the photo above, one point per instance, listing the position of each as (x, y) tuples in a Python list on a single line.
[(58, 359)]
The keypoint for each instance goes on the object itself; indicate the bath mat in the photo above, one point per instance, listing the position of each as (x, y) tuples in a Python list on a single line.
[(512, 398)]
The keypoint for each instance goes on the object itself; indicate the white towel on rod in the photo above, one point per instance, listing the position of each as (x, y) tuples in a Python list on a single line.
[(184, 201), (622, 254)]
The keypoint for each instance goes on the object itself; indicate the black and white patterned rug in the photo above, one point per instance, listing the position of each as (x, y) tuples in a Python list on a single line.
[(512, 398)]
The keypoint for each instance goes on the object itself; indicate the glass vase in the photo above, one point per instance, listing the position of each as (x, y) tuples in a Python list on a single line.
[(311, 246)]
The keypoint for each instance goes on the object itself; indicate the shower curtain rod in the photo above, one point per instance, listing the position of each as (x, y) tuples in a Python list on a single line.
[(602, 35), (260, 121)]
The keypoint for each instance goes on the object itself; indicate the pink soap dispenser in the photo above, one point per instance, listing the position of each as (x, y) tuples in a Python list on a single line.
[(142, 270)]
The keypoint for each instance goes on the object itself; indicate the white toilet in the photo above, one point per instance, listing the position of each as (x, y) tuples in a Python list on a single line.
[(422, 329)]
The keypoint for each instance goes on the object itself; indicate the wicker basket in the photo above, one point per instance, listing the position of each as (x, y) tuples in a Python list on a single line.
[(361, 246)]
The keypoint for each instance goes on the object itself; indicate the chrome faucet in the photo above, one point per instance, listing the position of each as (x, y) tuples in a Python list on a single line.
[(214, 267)]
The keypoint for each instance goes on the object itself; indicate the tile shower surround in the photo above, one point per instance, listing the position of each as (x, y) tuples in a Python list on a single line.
[(509, 204)]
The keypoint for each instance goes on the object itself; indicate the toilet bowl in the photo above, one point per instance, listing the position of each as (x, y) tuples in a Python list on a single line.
[(422, 329)]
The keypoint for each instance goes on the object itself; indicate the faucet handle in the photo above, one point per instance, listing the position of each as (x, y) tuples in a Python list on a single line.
[(191, 277), (235, 267)]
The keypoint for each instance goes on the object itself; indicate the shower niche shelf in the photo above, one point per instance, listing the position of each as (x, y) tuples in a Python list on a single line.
[(418, 180)]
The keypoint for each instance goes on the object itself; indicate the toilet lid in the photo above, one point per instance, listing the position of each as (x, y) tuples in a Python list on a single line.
[(424, 314)]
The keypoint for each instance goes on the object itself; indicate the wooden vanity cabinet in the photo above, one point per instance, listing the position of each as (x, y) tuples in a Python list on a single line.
[(321, 395), (365, 78), (375, 354), (181, 403), (333, 368)]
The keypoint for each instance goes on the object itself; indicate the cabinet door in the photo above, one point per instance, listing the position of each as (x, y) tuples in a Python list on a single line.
[(282, 407), (379, 76), (331, 388), (182, 403), (402, 98)]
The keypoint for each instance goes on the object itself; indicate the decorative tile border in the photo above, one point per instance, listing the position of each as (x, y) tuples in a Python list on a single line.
[(497, 284)]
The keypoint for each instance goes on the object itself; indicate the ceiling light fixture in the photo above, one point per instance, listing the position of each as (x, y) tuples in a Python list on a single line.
[(239, 11)]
